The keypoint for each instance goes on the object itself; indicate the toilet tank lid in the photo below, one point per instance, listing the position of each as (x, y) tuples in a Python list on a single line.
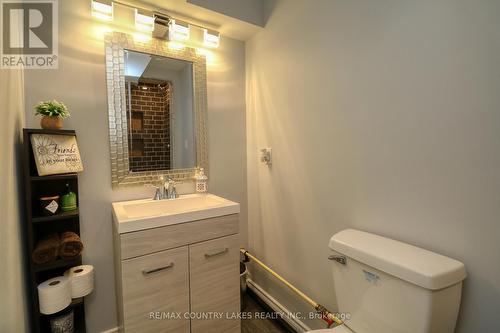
[(407, 262)]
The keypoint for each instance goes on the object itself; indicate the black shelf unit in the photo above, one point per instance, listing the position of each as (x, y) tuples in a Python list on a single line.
[(60, 263), (58, 216), (55, 177), (36, 226)]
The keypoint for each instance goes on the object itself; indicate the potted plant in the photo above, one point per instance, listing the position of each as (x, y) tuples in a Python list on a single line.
[(52, 113)]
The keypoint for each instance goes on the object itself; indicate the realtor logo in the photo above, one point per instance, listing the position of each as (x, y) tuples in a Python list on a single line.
[(29, 34)]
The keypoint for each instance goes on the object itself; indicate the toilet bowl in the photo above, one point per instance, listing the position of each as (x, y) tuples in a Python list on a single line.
[(387, 286)]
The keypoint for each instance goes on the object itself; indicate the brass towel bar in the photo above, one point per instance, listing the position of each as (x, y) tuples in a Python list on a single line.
[(326, 315)]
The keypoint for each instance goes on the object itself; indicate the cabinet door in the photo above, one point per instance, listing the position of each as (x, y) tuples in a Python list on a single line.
[(155, 290), (215, 286)]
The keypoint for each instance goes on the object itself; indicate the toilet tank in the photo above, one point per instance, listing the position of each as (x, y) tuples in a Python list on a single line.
[(386, 286)]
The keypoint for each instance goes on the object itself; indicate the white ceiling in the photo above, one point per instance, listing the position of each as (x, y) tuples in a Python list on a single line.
[(136, 63), (139, 64), (169, 63), (250, 11)]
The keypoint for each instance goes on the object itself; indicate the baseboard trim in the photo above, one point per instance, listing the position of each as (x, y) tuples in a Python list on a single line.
[(275, 305), (112, 330)]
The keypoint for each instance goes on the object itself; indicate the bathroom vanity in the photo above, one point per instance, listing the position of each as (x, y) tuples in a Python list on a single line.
[(176, 264), (176, 260)]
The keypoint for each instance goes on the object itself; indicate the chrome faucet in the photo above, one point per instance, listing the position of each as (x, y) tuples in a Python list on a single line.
[(167, 190), (170, 192)]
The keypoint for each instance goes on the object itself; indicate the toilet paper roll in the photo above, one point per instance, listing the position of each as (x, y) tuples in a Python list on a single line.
[(81, 279), (54, 295)]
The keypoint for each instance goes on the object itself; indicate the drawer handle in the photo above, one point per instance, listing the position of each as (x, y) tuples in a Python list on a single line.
[(216, 253), (151, 271)]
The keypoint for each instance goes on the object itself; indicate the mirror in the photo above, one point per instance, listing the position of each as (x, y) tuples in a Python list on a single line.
[(157, 104), (160, 114)]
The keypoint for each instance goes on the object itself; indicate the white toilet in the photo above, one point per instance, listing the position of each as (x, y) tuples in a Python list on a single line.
[(388, 286)]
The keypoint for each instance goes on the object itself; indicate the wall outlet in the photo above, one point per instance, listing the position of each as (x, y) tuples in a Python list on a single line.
[(266, 156)]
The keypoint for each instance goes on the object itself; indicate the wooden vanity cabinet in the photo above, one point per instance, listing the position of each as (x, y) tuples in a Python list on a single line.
[(155, 285), (214, 284), (179, 278)]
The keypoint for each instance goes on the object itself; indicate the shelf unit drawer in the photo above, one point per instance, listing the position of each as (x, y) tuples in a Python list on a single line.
[(214, 283), (138, 243), (156, 284)]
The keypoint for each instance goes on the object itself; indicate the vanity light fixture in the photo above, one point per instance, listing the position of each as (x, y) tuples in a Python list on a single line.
[(102, 9), (211, 38), (160, 25), (178, 30), (144, 20)]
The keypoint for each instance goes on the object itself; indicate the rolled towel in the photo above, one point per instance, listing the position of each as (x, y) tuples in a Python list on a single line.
[(46, 250), (71, 245)]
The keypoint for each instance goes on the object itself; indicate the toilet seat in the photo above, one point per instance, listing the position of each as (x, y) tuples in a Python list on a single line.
[(338, 329)]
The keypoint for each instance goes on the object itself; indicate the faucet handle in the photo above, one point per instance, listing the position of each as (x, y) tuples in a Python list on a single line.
[(158, 192), (173, 192)]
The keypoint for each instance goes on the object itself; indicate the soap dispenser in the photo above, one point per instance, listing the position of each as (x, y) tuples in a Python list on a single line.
[(201, 181)]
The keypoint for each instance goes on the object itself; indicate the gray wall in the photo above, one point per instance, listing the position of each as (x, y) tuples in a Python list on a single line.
[(383, 116), (186, 117), (181, 113), (80, 83)]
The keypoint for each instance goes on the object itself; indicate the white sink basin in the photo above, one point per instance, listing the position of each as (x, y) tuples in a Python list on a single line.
[(137, 215)]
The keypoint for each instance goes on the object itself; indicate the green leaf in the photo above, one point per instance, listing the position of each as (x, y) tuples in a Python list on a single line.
[(51, 109)]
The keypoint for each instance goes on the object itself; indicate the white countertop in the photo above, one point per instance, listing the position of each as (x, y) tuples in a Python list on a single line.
[(135, 215)]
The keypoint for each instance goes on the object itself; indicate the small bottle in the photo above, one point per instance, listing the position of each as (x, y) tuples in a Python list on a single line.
[(201, 181), (68, 200)]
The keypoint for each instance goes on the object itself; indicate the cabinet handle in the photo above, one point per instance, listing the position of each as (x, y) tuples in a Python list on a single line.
[(216, 253), (151, 271)]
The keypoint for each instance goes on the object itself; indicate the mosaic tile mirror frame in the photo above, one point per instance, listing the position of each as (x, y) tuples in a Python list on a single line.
[(116, 44)]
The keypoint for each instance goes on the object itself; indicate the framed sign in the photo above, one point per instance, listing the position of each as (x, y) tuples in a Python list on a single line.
[(56, 154)]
